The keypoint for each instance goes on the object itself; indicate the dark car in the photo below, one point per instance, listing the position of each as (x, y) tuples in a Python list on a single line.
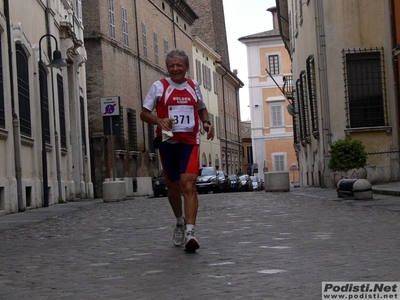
[(159, 185), (246, 182), (207, 180), (236, 183), (256, 183), (224, 181)]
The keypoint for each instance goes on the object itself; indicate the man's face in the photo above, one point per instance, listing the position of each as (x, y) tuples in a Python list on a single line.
[(177, 69)]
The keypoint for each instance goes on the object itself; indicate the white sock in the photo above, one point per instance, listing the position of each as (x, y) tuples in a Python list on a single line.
[(189, 227), (180, 220)]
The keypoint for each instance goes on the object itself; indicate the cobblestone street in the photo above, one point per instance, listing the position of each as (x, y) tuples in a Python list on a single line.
[(253, 245)]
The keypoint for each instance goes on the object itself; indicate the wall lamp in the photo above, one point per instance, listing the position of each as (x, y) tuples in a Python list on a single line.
[(56, 62)]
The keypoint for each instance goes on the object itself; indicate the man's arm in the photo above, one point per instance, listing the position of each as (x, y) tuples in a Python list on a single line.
[(203, 115), (150, 118)]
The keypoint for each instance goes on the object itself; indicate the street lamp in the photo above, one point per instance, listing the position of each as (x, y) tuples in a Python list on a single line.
[(56, 62)]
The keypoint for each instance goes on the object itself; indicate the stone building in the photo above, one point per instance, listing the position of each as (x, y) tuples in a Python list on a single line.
[(343, 82), (45, 157), (271, 124), (126, 43), (210, 27)]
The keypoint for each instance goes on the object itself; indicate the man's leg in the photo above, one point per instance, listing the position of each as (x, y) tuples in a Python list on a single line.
[(175, 199), (188, 183)]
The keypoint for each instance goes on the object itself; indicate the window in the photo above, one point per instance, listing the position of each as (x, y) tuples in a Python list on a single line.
[(365, 88), (312, 95), (273, 64), (79, 9), (276, 115), (83, 124), (2, 108), (111, 18), (132, 130), (144, 39), (249, 154), (198, 72), (44, 100), (215, 82), (23, 91), (166, 47), (155, 37), (125, 26), (279, 162), (151, 129), (61, 111)]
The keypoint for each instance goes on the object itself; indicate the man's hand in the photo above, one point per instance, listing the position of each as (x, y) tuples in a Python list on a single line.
[(210, 131)]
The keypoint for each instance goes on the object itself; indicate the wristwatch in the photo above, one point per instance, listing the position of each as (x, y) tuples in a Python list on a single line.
[(207, 121)]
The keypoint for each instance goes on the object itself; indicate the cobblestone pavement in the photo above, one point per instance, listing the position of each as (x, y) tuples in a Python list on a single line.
[(253, 245)]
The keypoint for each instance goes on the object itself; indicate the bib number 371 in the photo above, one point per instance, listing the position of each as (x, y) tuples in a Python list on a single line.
[(183, 116)]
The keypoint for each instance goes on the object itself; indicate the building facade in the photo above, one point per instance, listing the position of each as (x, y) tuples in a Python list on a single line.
[(126, 43), (342, 65), (271, 124), (204, 59), (43, 126)]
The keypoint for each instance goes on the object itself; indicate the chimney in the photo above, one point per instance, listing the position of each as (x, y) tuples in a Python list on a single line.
[(274, 13), (235, 71)]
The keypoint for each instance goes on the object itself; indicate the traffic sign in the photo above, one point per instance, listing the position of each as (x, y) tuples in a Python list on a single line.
[(110, 106)]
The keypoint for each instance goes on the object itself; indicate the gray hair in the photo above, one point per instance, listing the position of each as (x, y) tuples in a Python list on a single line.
[(177, 53)]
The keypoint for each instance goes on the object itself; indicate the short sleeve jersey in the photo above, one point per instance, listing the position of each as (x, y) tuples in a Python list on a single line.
[(180, 102)]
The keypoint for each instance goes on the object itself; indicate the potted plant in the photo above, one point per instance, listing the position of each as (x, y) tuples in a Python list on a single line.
[(348, 159)]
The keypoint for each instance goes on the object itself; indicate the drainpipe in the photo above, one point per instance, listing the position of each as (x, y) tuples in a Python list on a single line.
[(140, 74), (239, 129), (320, 28), (58, 163), (16, 131)]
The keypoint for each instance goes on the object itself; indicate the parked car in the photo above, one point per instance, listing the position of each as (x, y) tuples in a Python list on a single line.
[(236, 183), (207, 180), (246, 182), (224, 181), (262, 184), (159, 185), (256, 183)]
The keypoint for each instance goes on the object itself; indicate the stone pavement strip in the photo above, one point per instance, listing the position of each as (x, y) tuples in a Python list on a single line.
[(253, 245)]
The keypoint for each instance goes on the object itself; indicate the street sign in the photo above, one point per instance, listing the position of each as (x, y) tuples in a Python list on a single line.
[(110, 106)]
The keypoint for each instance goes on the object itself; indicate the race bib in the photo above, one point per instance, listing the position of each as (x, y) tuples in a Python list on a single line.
[(183, 116)]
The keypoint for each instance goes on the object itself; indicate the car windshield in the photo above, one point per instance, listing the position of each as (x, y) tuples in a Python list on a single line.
[(232, 177), (243, 177), (207, 172), (253, 178)]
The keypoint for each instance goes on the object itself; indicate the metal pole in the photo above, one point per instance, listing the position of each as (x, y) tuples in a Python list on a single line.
[(112, 150)]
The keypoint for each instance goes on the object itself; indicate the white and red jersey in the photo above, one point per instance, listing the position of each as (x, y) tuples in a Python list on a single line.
[(180, 102)]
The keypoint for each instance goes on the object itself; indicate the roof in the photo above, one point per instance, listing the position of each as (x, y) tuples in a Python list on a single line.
[(264, 34)]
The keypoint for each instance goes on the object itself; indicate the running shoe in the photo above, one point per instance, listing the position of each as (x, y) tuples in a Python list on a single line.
[(191, 244), (179, 235)]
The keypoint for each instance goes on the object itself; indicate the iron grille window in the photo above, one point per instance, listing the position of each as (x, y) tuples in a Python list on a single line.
[(2, 111), (120, 136), (296, 118), (132, 130), (151, 129), (365, 87), (311, 93), (304, 100), (83, 124), (166, 48), (111, 18), (300, 110), (273, 64), (23, 91), (61, 111), (44, 99)]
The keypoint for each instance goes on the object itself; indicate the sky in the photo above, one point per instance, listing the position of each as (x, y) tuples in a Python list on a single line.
[(244, 18)]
